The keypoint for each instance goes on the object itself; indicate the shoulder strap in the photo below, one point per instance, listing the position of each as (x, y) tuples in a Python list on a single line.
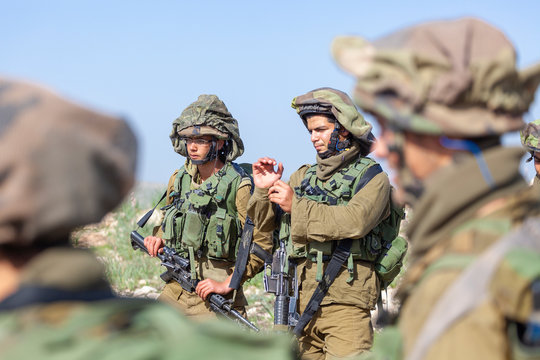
[(368, 175), (471, 288), (339, 256)]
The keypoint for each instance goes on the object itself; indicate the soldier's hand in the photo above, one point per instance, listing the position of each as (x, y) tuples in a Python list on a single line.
[(264, 174), (209, 286), (282, 194), (154, 245)]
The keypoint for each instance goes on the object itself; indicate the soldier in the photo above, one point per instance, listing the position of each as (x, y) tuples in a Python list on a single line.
[(63, 166), (530, 136), (323, 204), (444, 93), (206, 210)]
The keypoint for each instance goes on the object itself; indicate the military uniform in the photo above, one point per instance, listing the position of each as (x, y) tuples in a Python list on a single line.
[(203, 221), (64, 166), (530, 137), (65, 309), (341, 327), (470, 279)]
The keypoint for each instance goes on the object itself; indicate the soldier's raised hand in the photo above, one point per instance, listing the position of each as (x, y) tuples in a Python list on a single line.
[(264, 173), (282, 194)]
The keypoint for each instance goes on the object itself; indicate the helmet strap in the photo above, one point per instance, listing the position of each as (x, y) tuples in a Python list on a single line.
[(334, 144), (211, 155)]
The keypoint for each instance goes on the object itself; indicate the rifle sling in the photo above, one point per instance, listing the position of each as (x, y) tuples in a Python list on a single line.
[(243, 254), (339, 256), (144, 219)]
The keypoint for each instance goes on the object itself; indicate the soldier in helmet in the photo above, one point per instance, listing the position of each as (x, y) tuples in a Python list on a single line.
[(345, 195), (530, 136), (444, 92), (206, 210), (64, 166)]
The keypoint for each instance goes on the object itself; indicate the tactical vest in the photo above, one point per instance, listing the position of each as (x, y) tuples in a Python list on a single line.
[(339, 190), (204, 222)]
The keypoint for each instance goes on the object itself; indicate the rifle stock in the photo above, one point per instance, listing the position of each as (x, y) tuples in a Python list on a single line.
[(177, 268)]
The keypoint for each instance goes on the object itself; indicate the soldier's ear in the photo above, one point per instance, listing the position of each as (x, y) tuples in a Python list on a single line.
[(220, 144), (344, 132)]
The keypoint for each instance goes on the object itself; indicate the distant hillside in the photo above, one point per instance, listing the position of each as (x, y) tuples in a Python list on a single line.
[(147, 192)]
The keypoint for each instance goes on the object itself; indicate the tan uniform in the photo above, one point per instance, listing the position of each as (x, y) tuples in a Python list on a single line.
[(341, 327), (458, 217), (218, 270)]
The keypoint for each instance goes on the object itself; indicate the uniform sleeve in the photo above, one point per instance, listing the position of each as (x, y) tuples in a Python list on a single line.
[(261, 210), (157, 231), (261, 238), (313, 221)]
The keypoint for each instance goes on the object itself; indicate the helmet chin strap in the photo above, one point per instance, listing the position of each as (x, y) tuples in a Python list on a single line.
[(334, 144), (211, 155)]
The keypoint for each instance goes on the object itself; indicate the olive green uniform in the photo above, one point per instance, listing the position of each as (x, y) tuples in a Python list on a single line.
[(216, 269), (475, 251), (341, 327), (64, 166), (444, 244), (66, 310)]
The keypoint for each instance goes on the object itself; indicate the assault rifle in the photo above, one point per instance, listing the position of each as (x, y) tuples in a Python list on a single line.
[(178, 269), (278, 281)]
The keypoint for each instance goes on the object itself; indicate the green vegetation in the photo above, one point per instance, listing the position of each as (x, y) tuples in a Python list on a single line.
[(126, 269), (129, 270)]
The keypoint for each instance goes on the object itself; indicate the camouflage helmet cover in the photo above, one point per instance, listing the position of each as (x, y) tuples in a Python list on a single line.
[(62, 165), (457, 78), (337, 103), (207, 116), (530, 136)]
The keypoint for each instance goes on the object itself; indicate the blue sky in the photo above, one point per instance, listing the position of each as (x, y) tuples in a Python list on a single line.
[(148, 60)]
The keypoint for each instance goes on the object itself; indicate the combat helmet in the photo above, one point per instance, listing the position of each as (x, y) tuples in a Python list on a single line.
[(456, 78), (207, 116), (339, 106), (62, 165), (530, 137)]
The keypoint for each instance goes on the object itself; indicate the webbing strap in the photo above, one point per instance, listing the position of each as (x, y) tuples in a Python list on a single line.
[(243, 254), (368, 175), (339, 257)]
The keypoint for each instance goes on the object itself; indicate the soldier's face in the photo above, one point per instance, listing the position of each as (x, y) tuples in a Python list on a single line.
[(536, 157), (413, 157), (198, 147), (421, 154), (321, 129)]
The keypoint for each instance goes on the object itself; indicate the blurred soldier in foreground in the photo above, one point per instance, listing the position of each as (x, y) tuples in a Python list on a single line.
[(530, 139), (63, 166), (206, 210), (444, 93), (333, 217)]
